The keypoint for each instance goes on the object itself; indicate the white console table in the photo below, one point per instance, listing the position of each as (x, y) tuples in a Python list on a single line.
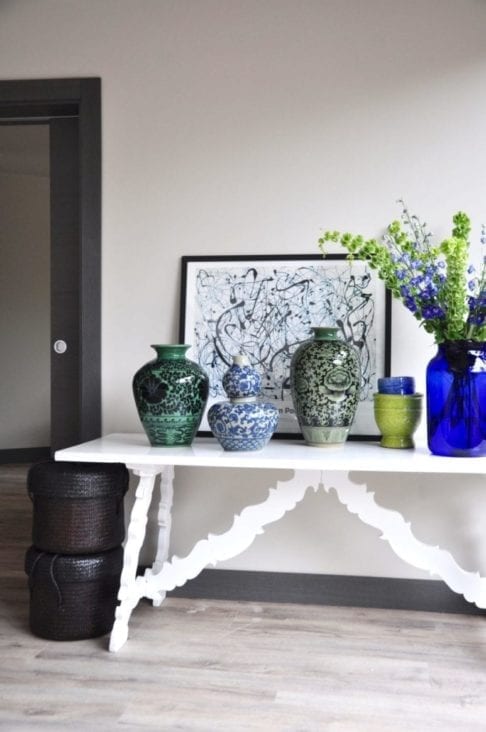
[(165, 574)]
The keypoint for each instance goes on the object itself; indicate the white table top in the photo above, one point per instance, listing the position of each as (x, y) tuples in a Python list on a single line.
[(134, 449)]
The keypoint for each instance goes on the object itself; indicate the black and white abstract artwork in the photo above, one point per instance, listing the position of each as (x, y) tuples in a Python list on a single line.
[(265, 307)]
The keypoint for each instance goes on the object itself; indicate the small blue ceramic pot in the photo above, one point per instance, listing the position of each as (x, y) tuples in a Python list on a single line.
[(396, 385)]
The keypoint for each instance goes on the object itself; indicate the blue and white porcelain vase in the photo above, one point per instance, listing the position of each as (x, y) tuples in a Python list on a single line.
[(243, 422)]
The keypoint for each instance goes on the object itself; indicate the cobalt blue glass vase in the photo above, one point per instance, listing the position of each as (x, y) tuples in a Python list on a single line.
[(456, 399)]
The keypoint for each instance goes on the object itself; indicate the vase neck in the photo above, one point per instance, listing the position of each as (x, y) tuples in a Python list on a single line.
[(464, 343), (460, 356), (325, 334), (171, 351), (241, 360), (461, 346)]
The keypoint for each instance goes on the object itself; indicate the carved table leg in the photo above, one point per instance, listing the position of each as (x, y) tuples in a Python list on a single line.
[(128, 594), (164, 520), (398, 533), (246, 526)]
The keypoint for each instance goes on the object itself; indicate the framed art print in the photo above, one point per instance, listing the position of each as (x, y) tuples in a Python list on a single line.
[(265, 307)]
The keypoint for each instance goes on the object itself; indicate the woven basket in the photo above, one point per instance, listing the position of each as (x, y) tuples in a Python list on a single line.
[(77, 507), (72, 597)]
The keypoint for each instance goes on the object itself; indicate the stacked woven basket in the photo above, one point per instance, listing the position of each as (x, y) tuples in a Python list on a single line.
[(76, 558)]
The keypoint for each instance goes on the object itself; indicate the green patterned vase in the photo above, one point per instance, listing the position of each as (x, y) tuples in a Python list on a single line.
[(324, 381), (170, 393)]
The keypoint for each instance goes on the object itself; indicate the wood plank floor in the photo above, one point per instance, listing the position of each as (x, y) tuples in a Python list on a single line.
[(209, 665)]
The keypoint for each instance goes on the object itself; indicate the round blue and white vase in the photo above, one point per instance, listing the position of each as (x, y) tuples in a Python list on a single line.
[(244, 422)]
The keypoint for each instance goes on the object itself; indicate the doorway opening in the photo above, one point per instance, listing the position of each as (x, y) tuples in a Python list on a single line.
[(25, 287), (67, 382)]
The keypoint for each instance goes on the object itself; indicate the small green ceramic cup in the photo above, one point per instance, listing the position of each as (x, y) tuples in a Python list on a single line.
[(397, 417)]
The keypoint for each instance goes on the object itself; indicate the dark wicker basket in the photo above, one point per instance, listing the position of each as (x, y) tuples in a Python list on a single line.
[(77, 507), (71, 597)]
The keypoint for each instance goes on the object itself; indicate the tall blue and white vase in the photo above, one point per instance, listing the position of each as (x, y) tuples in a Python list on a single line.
[(244, 422)]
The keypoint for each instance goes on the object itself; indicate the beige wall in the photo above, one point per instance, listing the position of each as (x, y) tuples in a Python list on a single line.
[(24, 309), (235, 126)]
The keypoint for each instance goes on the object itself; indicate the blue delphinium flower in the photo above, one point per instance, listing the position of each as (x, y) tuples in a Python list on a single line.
[(435, 282), (411, 304)]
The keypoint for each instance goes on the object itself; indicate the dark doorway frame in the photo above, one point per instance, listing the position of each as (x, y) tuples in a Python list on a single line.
[(42, 100)]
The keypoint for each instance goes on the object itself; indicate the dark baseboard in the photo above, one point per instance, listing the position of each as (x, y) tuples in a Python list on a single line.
[(324, 589), (24, 455)]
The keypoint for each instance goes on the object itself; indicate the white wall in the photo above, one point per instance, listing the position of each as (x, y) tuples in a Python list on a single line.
[(24, 304), (235, 126)]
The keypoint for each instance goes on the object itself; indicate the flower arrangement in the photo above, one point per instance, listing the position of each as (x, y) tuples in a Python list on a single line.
[(436, 283)]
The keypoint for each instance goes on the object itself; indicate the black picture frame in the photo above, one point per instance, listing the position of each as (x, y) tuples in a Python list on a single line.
[(265, 306)]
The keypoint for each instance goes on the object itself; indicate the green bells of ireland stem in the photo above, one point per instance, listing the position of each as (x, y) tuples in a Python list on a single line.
[(435, 282)]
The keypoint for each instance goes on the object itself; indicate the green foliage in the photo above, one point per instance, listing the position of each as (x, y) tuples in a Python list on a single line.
[(434, 282)]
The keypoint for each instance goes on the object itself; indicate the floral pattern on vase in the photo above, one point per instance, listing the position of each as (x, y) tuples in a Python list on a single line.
[(241, 380), (170, 393), (324, 381), (243, 423)]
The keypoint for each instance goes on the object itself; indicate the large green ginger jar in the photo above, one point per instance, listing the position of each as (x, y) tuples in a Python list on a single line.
[(170, 393)]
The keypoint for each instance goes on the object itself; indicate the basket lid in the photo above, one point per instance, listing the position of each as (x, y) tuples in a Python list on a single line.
[(43, 566), (77, 480)]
